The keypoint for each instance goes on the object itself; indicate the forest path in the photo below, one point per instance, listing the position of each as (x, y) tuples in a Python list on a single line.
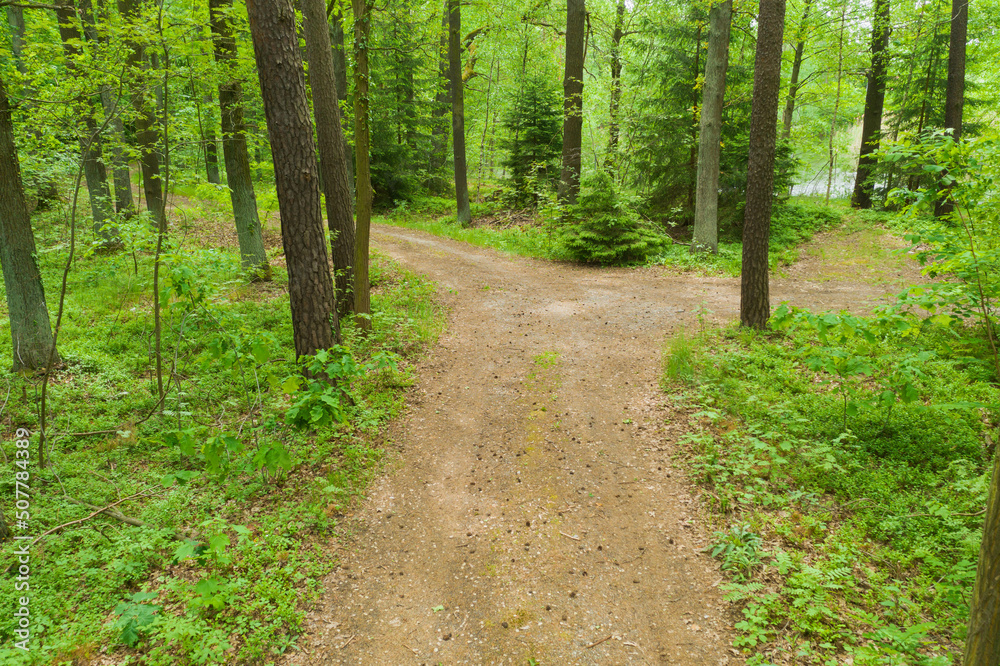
[(534, 513)]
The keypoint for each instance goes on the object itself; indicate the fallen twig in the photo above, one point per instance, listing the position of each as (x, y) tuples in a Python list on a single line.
[(85, 518), (570, 536), (596, 643), (349, 641)]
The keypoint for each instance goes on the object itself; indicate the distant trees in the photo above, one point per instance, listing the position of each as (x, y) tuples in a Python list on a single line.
[(362, 157), (533, 140), (234, 144), (755, 307), (296, 176)]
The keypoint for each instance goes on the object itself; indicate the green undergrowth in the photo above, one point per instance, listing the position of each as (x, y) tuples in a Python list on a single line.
[(793, 223), (241, 483), (843, 462)]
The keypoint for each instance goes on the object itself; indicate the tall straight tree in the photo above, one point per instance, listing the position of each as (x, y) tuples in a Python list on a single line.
[(30, 329), (234, 144), (982, 644), (569, 182), (91, 142), (362, 164), (146, 133), (464, 214), (755, 304), (793, 80), (871, 128), (706, 210), (296, 176), (336, 11), (439, 113), (954, 101), (614, 105), (330, 136)]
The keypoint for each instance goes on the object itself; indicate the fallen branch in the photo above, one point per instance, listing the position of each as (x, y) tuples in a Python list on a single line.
[(86, 518), (596, 643), (117, 515)]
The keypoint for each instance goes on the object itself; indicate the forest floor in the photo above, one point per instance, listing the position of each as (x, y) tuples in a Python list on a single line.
[(532, 513)]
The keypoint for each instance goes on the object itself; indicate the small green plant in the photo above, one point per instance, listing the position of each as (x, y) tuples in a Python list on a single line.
[(739, 550), (603, 228), (135, 616)]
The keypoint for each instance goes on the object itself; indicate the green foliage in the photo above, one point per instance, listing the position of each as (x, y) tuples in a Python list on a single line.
[(604, 229), (533, 140), (867, 517)]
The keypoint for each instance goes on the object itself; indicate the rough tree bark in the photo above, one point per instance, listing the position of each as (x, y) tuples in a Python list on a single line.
[(611, 159), (439, 114), (871, 128), (755, 306), (91, 143), (30, 329), (286, 108), (146, 125), (362, 161), (340, 75), (464, 214), (793, 81), (333, 162), (706, 210), (234, 145), (982, 646), (569, 182)]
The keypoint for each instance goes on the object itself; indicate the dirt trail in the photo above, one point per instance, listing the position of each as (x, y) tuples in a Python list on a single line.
[(534, 514)]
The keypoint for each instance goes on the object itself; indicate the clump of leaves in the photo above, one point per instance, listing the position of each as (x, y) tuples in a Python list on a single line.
[(606, 230)]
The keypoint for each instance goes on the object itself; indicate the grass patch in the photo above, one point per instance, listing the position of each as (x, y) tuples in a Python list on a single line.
[(238, 504), (840, 542)]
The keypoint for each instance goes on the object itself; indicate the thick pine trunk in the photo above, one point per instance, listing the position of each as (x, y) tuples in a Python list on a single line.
[(755, 306), (362, 161), (982, 646), (569, 182), (286, 108), (611, 159), (706, 211), (94, 171), (146, 126), (333, 161), (340, 75), (793, 81), (439, 114), (234, 145), (463, 212), (871, 128), (31, 332)]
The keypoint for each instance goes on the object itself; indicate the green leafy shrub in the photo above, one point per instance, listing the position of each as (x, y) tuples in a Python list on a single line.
[(605, 229)]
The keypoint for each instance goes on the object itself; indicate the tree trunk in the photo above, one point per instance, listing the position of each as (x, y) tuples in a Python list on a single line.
[(793, 82), (832, 160), (333, 161), (234, 145), (871, 129), (439, 114), (31, 332), (611, 159), (464, 214), (286, 108), (982, 645), (94, 171), (15, 19), (340, 75), (145, 127), (362, 161), (569, 182), (706, 212), (211, 145), (755, 306), (955, 96), (693, 150)]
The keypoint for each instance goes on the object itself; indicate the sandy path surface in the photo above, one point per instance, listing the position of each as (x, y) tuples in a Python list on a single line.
[(534, 515)]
